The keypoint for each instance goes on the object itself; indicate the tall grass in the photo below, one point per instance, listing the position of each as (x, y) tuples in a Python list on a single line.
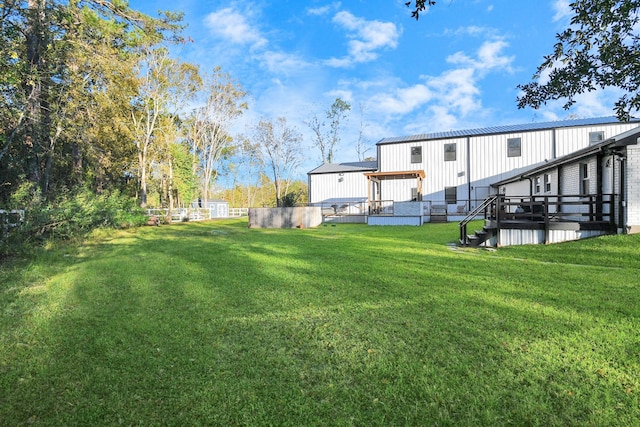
[(217, 324)]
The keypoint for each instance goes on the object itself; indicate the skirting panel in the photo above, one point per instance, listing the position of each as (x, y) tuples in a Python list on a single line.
[(511, 237), (395, 220)]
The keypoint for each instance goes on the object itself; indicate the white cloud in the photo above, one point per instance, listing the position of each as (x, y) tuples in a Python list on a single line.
[(562, 10), (489, 57), (366, 38), (323, 10), (282, 63), (402, 100), (234, 27), (457, 89), (450, 98)]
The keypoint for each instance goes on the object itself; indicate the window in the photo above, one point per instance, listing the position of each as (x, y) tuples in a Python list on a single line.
[(449, 152), (514, 147), (416, 154), (584, 178), (536, 185), (547, 183), (596, 137), (451, 195)]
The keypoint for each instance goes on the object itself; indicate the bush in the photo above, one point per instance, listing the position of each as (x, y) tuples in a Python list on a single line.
[(72, 215)]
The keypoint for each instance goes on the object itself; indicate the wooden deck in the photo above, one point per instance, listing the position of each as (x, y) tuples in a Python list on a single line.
[(548, 219)]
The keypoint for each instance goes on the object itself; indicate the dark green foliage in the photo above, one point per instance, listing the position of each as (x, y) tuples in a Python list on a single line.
[(72, 215), (600, 49), (290, 199), (420, 6)]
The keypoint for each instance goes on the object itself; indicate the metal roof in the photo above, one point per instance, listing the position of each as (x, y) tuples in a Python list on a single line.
[(345, 167), (528, 127)]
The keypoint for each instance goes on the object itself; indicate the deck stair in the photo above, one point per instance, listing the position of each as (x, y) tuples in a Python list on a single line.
[(487, 232), (479, 237)]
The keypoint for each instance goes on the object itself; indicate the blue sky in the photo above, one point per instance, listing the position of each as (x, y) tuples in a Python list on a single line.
[(456, 68)]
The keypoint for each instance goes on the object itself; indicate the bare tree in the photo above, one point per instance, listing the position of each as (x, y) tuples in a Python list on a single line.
[(165, 86), (362, 144), (209, 125), (248, 164), (282, 152), (327, 139)]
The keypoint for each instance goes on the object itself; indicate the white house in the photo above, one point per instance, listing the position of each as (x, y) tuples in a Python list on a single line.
[(590, 192), (459, 167), (451, 173)]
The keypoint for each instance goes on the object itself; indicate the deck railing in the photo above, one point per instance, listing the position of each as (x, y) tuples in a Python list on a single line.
[(506, 211), (564, 208), (482, 209)]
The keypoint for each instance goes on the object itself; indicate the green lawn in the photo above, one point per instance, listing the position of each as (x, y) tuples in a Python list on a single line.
[(218, 324)]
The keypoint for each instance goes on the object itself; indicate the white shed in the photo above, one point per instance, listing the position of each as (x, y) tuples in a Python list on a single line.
[(339, 183), (217, 208)]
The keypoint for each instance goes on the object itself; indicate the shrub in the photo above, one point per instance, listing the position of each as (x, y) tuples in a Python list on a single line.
[(72, 215)]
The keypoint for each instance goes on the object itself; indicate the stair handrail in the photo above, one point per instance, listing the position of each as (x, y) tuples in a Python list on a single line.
[(471, 215)]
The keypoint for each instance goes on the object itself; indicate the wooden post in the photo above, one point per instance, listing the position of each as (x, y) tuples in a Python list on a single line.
[(545, 211)]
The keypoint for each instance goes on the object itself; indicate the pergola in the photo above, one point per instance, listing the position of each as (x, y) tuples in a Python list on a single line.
[(375, 178)]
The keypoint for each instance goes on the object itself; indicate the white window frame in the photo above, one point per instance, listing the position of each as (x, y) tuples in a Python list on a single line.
[(514, 147), (584, 179), (450, 152), (596, 137), (416, 154), (547, 183)]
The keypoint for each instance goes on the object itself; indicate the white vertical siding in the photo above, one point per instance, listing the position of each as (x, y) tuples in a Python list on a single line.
[(510, 237), (489, 160), (338, 185), (485, 163), (633, 188), (572, 139), (438, 172), (394, 220)]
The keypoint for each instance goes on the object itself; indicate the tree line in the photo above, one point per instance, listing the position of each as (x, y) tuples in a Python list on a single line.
[(92, 101), (92, 104)]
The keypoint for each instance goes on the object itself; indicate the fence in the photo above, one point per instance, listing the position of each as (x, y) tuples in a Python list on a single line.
[(298, 217), (196, 214), (10, 219), (238, 212)]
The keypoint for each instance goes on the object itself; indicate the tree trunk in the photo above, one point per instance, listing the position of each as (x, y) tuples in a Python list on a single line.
[(170, 190), (35, 43), (142, 159)]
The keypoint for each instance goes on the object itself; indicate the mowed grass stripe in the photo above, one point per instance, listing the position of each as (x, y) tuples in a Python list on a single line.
[(217, 324)]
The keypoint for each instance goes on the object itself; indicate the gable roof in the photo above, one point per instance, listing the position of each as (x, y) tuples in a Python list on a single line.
[(629, 137), (528, 127), (345, 167)]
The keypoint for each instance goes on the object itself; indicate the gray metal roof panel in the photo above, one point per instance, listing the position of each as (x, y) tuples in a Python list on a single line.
[(527, 127), (345, 167)]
